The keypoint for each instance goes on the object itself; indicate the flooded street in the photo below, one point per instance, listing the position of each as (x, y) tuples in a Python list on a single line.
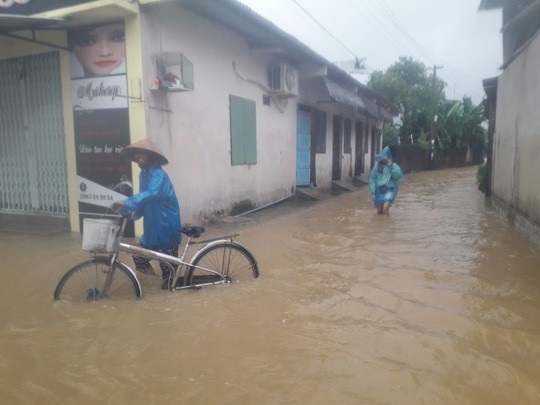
[(439, 303)]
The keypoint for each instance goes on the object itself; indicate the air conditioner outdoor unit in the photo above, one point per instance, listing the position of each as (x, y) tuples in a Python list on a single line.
[(283, 80)]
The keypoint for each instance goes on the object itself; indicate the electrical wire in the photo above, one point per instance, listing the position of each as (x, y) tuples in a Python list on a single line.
[(324, 28), (429, 56), (379, 26), (382, 18), (390, 19)]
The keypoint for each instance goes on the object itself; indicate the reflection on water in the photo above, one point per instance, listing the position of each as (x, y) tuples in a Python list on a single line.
[(440, 303)]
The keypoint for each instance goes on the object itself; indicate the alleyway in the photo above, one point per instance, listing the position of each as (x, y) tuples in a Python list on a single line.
[(440, 303)]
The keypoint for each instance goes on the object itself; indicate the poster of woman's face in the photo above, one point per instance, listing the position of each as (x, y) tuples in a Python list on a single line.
[(98, 50)]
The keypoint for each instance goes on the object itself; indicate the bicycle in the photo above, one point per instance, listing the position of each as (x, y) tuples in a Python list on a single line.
[(221, 260)]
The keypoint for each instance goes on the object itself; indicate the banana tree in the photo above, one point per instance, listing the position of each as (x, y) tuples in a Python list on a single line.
[(460, 128)]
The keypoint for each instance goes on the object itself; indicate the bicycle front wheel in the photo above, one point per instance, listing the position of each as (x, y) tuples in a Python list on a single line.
[(229, 262), (95, 280)]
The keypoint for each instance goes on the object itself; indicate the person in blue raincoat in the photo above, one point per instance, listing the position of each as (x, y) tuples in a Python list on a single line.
[(156, 203), (383, 181)]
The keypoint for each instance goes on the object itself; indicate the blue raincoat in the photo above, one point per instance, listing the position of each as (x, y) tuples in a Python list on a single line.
[(383, 179), (157, 203)]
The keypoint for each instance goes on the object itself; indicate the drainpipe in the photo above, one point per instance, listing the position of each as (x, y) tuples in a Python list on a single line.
[(265, 206)]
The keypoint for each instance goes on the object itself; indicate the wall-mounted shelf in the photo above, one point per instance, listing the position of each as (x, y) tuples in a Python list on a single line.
[(173, 72)]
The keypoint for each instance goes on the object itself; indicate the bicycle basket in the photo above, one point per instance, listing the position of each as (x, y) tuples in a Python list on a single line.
[(99, 235)]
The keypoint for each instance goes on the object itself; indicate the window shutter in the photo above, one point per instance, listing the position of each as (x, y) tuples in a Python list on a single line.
[(243, 131)]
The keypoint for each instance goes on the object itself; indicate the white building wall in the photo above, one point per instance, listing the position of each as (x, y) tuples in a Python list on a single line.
[(324, 160), (193, 128), (516, 145), (314, 95)]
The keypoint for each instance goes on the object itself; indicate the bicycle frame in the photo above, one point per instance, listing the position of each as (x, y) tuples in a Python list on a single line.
[(220, 260), (177, 265)]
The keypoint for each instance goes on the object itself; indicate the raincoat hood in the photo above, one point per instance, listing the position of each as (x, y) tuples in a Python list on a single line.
[(385, 154)]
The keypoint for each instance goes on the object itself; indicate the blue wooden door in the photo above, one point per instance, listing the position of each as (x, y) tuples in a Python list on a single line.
[(303, 152)]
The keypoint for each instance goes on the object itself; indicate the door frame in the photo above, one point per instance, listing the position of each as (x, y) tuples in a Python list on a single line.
[(337, 155), (359, 128)]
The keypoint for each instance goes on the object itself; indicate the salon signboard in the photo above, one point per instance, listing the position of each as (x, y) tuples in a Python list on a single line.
[(100, 115), (99, 93)]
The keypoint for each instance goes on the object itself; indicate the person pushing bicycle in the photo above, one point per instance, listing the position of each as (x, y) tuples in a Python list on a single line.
[(156, 202)]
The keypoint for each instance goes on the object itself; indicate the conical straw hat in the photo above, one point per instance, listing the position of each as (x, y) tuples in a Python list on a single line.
[(144, 146)]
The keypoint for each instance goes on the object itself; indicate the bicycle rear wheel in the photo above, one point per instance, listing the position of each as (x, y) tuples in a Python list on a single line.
[(233, 262), (95, 280)]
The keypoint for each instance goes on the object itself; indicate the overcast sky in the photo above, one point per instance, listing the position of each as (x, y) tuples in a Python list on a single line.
[(452, 34)]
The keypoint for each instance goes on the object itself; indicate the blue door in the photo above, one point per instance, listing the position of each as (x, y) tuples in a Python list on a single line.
[(303, 152)]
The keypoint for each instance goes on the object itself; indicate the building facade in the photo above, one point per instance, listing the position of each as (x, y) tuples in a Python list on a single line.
[(244, 112), (515, 131)]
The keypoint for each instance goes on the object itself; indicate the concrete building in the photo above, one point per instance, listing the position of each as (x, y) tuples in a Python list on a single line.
[(514, 126), (244, 112)]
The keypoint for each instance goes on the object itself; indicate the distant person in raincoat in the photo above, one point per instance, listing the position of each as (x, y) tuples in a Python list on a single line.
[(383, 181), (156, 202)]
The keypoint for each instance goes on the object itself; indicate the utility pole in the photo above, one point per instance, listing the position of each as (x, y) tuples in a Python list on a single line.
[(433, 83), (432, 129)]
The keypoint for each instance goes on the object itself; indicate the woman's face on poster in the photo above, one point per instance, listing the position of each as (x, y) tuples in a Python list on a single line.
[(101, 50)]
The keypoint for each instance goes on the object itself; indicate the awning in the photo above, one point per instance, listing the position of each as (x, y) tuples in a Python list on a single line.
[(86, 13), (344, 96), (11, 23)]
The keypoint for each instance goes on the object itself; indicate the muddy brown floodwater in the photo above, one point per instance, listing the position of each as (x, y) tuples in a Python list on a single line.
[(440, 303)]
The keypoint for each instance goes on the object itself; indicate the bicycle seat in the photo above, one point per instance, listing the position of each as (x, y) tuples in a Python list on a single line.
[(193, 231)]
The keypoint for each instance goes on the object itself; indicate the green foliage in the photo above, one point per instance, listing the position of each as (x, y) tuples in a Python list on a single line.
[(481, 174), (460, 127), (359, 63), (408, 85), (423, 142), (481, 178), (390, 135), (420, 97)]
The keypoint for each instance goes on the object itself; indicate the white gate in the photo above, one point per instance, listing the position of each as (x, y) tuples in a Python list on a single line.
[(33, 173)]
